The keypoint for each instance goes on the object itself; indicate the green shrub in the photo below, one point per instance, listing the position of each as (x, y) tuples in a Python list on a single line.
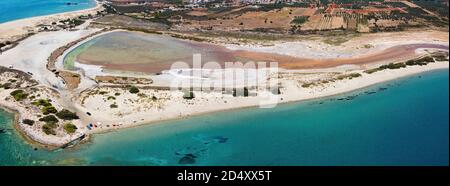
[(5, 86), (370, 71), (298, 20), (111, 98), (19, 95), (113, 105), (134, 90), (28, 122), (306, 85), (49, 109), (354, 75), (70, 128), (49, 128), (393, 66), (49, 119), (42, 102), (67, 115)]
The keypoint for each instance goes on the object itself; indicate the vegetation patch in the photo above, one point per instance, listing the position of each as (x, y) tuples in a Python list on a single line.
[(413, 62), (6, 86), (49, 109), (67, 115), (49, 119), (19, 95), (28, 122), (298, 20), (49, 128), (349, 76), (42, 102), (113, 105), (306, 85), (134, 90), (70, 128)]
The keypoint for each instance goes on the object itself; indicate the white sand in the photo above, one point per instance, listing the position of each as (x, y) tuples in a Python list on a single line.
[(134, 110), (31, 54), (15, 29), (352, 48)]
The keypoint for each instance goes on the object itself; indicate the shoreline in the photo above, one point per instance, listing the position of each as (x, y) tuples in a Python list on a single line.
[(28, 139), (16, 29), (155, 122), (169, 105), (88, 139)]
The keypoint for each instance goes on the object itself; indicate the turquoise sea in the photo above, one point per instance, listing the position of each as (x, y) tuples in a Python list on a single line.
[(401, 122), (18, 9)]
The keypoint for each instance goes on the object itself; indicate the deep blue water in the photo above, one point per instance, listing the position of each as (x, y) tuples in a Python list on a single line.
[(402, 122), (17, 9)]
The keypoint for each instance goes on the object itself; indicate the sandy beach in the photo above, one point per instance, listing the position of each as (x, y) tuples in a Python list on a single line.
[(14, 30)]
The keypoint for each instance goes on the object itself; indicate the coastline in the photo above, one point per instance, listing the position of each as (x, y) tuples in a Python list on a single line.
[(28, 139), (173, 106), (292, 101), (16, 29), (89, 137)]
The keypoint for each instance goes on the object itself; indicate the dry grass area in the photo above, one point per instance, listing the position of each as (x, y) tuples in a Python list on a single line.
[(72, 80), (276, 19), (123, 80), (323, 22)]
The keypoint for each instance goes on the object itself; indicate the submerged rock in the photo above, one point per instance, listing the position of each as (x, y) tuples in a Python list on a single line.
[(221, 139), (187, 159)]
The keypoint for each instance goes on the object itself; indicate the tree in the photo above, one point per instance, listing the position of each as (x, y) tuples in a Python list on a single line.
[(49, 109), (67, 115), (19, 95), (49, 128), (28, 122), (134, 90), (49, 119), (70, 128)]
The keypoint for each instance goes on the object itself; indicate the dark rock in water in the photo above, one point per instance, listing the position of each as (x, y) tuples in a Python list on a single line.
[(351, 97), (221, 139), (35, 149), (187, 159), (382, 88)]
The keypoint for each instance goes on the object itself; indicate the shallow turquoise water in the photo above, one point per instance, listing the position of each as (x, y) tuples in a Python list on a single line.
[(404, 123), (17, 9)]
